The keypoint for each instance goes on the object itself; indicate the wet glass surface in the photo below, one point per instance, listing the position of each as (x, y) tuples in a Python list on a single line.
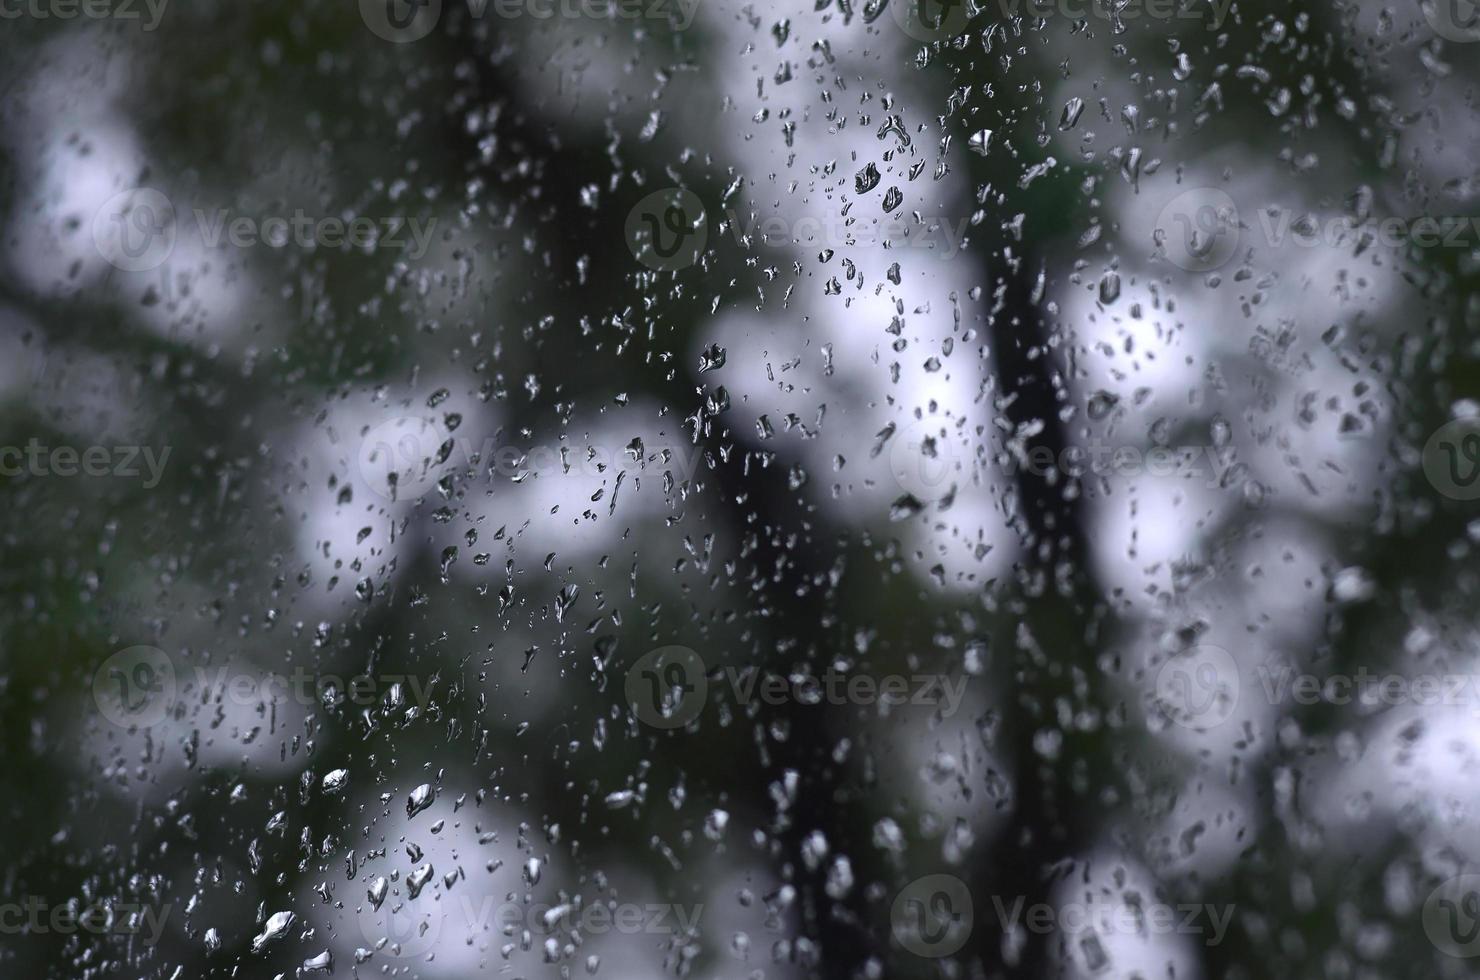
[(624, 488)]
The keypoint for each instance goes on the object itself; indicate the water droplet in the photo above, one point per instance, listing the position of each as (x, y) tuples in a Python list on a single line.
[(377, 892), (711, 358), (905, 507), (1101, 404), (1073, 109), (419, 800), (276, 927), (323, 963)]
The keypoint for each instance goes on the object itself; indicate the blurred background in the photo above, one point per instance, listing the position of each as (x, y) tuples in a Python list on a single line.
[(448, 450)]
